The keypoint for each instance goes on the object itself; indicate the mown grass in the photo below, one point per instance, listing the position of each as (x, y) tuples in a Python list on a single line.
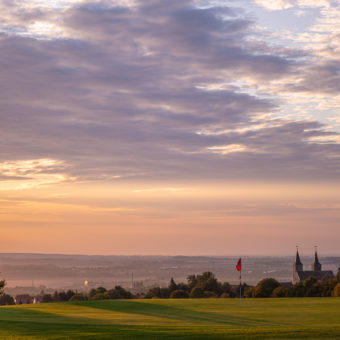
[(300, 318)]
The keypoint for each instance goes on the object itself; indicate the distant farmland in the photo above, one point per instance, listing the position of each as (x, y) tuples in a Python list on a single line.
[(299, 318)]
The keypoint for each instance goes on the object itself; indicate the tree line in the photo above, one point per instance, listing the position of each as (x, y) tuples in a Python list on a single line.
[(99, 293), (203, 285), (207, 285)]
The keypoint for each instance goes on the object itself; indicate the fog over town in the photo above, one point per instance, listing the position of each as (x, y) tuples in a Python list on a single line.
[(26, 273)]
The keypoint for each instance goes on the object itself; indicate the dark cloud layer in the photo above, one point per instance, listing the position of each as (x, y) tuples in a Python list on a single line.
[(322, 78), (125, 95)]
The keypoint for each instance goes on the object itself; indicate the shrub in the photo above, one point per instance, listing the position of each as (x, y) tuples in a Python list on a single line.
[(162, 293), (179, 294), (95, 291), (280, 292), (209, 294), (225, 295), (196, 292), (149, 295), (77, 297), (101, 296), (265, 288)]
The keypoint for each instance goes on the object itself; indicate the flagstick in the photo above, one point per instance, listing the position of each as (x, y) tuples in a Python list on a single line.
[(240, 284), (239, 268)]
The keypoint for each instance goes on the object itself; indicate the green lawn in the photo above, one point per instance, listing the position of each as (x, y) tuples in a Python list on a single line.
[(300, 318)]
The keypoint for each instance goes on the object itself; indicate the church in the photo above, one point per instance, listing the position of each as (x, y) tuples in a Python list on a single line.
[(301, 275)]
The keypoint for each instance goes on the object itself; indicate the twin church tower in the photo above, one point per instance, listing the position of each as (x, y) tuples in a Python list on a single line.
[(300, 275)]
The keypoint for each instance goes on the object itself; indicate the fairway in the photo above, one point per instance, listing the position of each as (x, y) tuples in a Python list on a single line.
[(299, 318)]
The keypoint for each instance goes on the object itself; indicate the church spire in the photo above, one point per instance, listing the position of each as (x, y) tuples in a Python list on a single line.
[(297, 257), (298, 266), (316, 266)]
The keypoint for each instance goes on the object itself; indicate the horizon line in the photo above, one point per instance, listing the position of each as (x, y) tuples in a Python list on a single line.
[(172, 255)]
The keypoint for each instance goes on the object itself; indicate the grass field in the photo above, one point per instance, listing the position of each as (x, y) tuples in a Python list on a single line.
[(300, 318)]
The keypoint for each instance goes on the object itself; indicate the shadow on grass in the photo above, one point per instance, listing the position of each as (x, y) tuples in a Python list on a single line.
[(19, 323), (177, 314)]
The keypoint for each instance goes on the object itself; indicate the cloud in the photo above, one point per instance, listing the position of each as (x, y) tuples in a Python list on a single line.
[(226, 149), (316, 3), (122, 91), (24, 174), (275, 4), (158, 190), (323, 78)]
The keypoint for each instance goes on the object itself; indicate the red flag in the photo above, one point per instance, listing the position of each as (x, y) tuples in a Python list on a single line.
[(239, 266)]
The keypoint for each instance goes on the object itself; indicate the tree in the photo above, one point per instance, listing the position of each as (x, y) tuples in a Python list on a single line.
[(338, 276), (265, 288), (164, 293), (125, 294), (226, 288), (280, 292), (101, 296), (149, 295), (95, 291), (119, 293), (78, 297), (249, 293), (59, 296), (208, 282), (155, 292), (47, 298), (299, 289), (209, 294), (197, 292), (337, 290), (114, 294), (183, 286), (225, 295), (312, 287), (6, 299), (69, 294), (244, 289), (179, 294), (172, 285), (192, 281), (309, 285), (2, 286)]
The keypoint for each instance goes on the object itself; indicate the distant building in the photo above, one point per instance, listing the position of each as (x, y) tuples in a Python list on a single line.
[(37, 299), (23, 299), (301, 275)]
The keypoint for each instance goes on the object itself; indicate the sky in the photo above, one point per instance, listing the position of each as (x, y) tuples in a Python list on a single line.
[(170, 127)]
